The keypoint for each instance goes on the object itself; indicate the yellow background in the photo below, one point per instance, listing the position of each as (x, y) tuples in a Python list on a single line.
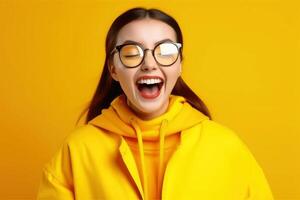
[(241, 57)]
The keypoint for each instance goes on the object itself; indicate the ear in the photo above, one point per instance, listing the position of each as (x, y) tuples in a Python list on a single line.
[(112, 71)]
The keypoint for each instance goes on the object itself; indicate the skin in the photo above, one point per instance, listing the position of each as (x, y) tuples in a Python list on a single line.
[(147, 32)]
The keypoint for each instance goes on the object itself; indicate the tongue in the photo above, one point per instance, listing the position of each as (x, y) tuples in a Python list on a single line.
[(149, 92)]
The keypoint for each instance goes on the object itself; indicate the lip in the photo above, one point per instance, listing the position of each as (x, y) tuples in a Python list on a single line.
[(150, 77)]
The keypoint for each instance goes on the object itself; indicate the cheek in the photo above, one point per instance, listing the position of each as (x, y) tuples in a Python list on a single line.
[(120, 70), (126, 78), (172, 74), (116, 61)]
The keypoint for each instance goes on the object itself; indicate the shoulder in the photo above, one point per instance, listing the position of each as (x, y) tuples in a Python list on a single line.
[(222, 137), (216, 130), (88, 133), (83, 132), (83, 140), (89, 138)]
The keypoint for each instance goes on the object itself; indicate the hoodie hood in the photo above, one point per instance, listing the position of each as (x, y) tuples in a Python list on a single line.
[(120, 119)]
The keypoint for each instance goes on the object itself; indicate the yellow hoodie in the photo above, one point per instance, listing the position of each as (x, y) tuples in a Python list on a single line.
[(196, 158)]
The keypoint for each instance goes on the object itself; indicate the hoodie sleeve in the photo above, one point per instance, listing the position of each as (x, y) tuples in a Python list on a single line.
[(51, 188), (57, 181), (258, 186)]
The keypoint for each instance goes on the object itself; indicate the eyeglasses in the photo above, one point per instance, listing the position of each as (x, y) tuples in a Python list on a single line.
[(132, 55)]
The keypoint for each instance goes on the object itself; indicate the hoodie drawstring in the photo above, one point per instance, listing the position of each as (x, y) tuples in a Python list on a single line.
[(161, 152), (141, 153)]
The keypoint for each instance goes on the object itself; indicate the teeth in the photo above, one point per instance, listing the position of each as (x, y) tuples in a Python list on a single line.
[(149, 81)]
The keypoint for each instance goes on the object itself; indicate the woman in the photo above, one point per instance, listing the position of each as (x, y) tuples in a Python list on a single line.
[(147, 134)]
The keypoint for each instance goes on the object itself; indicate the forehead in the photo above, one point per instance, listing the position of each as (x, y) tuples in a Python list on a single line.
[(146, 32)]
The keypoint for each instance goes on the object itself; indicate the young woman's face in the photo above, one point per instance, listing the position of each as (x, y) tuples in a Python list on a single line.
[(147, 102)]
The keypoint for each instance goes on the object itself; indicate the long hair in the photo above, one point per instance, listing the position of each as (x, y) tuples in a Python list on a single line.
[(108, 89)]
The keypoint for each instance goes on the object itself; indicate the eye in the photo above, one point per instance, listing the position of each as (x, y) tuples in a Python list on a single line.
[(131, 51), (131, 56), (166, 49)]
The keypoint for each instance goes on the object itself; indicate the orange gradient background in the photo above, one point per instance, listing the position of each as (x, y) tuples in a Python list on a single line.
[(241, 57)]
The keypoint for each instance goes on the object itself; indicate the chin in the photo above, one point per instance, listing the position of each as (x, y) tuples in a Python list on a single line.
[(147, 107), (150, 111), (151, 108)]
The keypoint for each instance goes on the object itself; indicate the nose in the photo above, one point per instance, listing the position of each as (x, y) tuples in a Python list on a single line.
[(149, 62)]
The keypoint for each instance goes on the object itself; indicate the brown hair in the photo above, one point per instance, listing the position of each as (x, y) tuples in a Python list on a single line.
[(108, 89)]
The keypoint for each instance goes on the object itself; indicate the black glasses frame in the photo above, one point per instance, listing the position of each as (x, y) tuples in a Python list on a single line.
[(119, 47)]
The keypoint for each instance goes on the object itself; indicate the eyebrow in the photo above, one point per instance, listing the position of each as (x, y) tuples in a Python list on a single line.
[(135, 42)]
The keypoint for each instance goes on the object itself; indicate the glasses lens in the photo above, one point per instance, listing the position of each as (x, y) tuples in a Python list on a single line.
[(131, 55), (166, 53)]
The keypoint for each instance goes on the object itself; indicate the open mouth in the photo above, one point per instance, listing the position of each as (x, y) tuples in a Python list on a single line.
[(150, 88)]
